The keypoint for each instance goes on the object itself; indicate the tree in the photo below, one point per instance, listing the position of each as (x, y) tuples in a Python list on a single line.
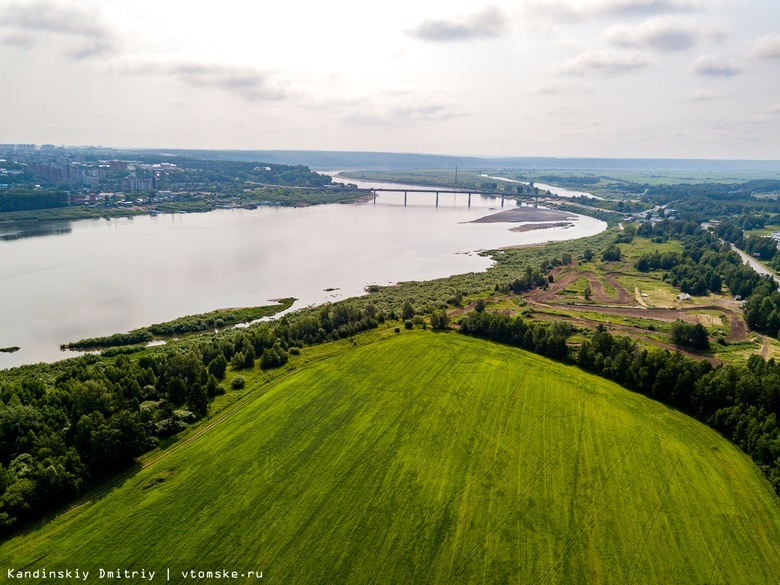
[(587, 292), (587, 255), (715, 284), (479, 306), (688, 335), (218, 366), (197, 399), (408, 311), (439, 319), (211, 386), (611, 254)]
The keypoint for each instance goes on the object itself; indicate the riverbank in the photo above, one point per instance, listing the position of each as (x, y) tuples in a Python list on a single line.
[(212, 321)]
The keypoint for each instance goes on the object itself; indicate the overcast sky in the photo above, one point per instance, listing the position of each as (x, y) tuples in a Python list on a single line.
[(614, 78)]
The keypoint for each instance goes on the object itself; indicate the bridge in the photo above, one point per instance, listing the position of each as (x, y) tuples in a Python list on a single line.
[(406, 192)]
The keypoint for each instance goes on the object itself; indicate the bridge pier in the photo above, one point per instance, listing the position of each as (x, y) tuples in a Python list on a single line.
[(374, 192), (404, 198), (502, 200), (437, 199), (469, 200)]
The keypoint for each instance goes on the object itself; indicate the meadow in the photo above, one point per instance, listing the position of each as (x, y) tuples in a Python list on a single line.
[(425, 457)]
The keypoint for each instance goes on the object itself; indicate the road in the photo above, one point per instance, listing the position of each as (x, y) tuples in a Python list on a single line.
[(755, 264)]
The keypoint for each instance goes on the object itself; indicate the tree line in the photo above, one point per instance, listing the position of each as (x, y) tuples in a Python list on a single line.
[(64, 427), (28, 199)]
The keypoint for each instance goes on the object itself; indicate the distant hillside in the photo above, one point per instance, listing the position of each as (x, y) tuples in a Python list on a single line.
[(345, 160), (434, 458)]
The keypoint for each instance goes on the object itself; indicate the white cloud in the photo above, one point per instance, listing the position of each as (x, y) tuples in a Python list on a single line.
[(604, 63), (767, 47), (775, 109), (80, 29), (246, 81), (712, 65), (489, 23), (661, 34)]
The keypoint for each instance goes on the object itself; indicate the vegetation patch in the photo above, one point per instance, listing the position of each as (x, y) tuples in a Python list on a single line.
[(218, 319)]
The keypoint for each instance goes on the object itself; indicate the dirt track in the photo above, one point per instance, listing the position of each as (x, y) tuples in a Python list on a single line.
[(542, 298), (599, 294), (633, 332)]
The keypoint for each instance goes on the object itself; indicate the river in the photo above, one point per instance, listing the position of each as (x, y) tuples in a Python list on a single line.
[(65, 281), (559, 191)]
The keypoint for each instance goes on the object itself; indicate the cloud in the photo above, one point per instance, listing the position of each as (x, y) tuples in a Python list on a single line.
[(660, 34), (705, 95), (78, 27), (604, 63), (247, 82), (564, 11), (767, 47), (775, 109), (489, 23), (714, 66)]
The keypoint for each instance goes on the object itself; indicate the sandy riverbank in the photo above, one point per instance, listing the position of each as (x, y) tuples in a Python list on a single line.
[(524, 214)]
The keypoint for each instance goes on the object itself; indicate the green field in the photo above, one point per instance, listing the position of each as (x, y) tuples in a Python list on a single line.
[(434, 458)]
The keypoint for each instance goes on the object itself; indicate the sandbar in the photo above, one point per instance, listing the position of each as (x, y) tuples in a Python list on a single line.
[(524, 214)]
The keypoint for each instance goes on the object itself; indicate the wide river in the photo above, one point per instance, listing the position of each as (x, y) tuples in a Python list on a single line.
[(64, 281)]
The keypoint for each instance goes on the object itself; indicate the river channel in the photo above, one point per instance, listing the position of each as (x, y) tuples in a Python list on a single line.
[(64, 281)]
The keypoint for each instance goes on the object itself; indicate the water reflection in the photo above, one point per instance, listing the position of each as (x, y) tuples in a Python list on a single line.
[(19, 231)]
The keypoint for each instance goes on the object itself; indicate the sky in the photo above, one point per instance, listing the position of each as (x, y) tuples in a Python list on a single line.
[(566, 78)]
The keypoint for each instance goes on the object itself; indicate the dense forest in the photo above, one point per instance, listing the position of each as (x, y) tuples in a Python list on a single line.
[(26, 199), (705, 201)]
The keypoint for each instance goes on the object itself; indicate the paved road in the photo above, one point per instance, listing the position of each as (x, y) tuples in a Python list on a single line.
[(754, 264)]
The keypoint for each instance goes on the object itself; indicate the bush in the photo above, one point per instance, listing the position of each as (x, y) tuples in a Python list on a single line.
[(238, 383), (408, 324), (439, 319), (294, 351), (689, 335), (397, 330), (611, 254)]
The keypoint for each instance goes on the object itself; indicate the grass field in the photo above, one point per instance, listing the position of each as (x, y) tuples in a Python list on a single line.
[(434, 458)]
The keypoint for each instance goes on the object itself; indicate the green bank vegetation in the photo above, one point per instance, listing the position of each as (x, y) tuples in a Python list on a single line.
[(218, 319)]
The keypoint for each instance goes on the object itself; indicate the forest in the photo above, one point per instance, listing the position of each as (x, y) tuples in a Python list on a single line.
[(17, 199)]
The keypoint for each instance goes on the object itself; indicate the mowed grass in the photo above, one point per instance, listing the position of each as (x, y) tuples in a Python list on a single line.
[(435, 458)]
